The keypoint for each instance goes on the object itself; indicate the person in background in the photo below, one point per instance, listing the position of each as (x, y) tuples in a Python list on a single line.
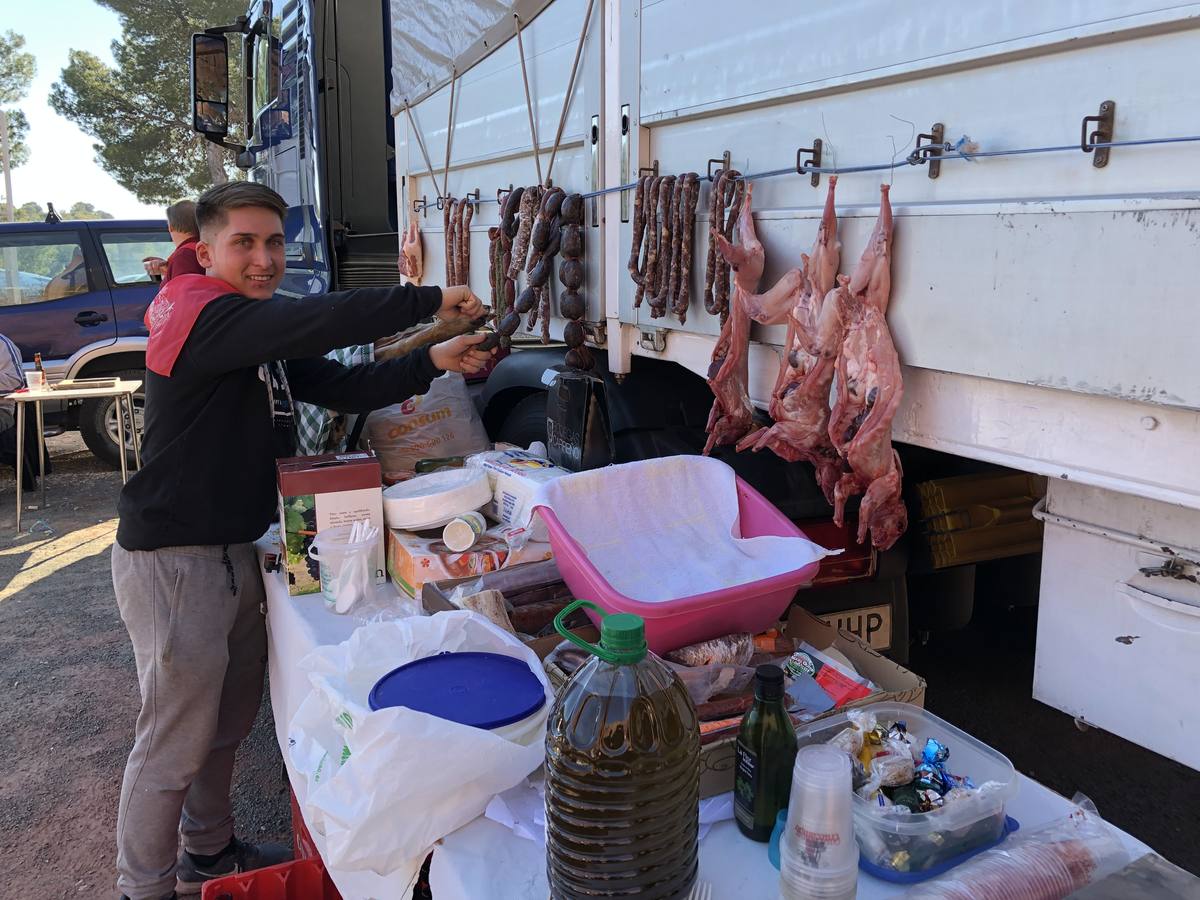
[(225, 360), (71, 280), (181, 223), (12, 378)]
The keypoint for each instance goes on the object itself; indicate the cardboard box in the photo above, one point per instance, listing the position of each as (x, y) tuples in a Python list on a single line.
[(320, 492), (894, 682), (414, 559), (539, 588), (435, 595)]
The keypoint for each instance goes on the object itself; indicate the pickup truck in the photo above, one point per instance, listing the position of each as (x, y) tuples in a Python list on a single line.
[(75, 292)]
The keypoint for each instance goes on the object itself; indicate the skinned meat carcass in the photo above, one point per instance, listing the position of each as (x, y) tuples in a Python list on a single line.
[(872, 276), (868, 394), (800, 400), (869, 390), (732, 414), (412, 260)]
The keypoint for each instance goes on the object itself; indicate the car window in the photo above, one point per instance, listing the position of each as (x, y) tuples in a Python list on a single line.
[(125, 251), (41, 266)]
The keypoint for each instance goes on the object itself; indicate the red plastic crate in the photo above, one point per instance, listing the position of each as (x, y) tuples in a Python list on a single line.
[(301, 879)]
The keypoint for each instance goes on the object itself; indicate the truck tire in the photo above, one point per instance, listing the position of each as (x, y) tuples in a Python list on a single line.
[(98, 422), (526, 422)]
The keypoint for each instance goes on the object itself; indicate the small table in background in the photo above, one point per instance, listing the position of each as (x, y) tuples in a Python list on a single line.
[(121, 391)]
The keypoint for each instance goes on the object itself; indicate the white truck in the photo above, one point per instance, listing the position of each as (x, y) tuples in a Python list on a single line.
[(1043, 303)]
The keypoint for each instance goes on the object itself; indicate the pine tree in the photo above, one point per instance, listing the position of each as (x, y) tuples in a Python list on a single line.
[(139, 110), (17, 69)]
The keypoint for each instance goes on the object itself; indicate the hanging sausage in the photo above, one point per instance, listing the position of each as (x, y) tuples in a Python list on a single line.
[(544, 241), (516, 228), (448, 233), (571, 305), (637, 264), (724, 205), (660, 254), (685, 235), (466, 213)]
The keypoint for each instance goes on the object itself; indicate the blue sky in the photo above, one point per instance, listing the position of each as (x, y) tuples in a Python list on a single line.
[(62, 167)]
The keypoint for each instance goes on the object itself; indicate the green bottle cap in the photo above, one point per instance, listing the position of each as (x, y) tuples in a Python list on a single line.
[(622, 635)]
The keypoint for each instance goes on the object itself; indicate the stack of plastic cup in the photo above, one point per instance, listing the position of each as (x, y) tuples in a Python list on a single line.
[(818, 855)]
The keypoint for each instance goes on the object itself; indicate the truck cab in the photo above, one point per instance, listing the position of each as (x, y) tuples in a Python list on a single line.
[(313, 99), (75, 292)]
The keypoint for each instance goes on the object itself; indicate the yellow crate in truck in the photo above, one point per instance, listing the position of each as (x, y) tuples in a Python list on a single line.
[(975, 518)]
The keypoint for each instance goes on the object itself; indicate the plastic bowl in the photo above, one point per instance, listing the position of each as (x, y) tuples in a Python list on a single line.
[(671, 624)]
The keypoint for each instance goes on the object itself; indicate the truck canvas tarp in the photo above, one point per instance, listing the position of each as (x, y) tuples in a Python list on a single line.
[(431, 40)]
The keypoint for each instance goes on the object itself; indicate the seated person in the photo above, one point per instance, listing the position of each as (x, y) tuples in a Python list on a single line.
[(12, 378), (71, 280)]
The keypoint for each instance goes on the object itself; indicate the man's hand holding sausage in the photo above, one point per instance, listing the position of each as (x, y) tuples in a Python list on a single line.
[(459, 354), (459, 303)]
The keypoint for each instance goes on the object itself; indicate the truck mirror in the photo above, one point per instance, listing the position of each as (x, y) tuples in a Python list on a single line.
[(210, 85)]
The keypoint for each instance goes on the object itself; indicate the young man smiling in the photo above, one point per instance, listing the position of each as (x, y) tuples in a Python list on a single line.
[(224, 362)]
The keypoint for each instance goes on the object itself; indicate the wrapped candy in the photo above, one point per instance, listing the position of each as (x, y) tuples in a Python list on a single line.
[(851, 738), (929, 800), (931, 773)]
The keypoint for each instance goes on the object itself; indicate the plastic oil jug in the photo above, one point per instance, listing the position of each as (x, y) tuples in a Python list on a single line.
[(622, 772)]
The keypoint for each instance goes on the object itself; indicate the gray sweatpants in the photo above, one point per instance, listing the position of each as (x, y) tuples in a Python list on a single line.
[(195, 616)]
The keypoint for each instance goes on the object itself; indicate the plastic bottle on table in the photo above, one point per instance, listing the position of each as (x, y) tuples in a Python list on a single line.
[(622, 772)]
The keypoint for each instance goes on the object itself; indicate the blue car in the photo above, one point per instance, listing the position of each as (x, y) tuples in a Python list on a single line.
[(76, 292)]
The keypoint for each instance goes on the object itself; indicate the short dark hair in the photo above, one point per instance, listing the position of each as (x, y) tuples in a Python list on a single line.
[(181, 217), (214, 204)]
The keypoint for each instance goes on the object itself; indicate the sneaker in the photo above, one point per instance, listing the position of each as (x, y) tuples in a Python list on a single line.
[(238, 857)]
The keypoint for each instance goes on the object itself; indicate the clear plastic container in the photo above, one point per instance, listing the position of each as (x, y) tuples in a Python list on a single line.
[(908, 843), (345, 567)]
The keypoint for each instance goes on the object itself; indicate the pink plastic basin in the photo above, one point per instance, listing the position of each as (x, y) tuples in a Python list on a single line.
[(671, 624)]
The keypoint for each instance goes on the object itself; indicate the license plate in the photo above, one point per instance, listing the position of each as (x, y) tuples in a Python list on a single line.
[(872, 624)]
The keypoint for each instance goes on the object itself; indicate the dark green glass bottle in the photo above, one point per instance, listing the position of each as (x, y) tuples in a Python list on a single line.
[(766, 752)]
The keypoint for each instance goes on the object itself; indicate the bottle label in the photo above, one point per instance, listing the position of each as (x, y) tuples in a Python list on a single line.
[(745, 785)]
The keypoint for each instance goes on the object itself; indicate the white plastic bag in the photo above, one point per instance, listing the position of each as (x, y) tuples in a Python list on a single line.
[(382, 787), (441, 422)]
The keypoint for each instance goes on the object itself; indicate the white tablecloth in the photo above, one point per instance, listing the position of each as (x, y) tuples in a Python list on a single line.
[(485, 859)]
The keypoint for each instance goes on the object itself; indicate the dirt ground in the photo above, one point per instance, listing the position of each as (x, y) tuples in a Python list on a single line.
[(69, 695)]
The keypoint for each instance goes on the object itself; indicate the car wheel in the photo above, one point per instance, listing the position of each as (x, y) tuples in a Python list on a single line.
[(526, 422), (98, 422)]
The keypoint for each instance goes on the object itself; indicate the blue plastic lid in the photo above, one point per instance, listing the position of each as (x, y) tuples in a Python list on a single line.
[(883, 872), (483, 690)]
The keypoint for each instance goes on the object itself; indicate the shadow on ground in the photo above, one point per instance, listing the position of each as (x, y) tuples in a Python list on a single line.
[(69, 696)]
